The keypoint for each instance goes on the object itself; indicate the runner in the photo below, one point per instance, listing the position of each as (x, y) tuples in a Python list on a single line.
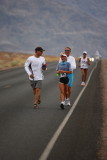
[(63, 69), (34, 66), (72, 61), (84, 62)]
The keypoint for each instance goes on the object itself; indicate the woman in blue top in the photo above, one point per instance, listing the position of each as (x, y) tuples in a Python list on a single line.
[(63, 69)]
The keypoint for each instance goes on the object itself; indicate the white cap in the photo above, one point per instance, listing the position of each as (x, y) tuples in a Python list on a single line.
[(85, 52), (63, 54)]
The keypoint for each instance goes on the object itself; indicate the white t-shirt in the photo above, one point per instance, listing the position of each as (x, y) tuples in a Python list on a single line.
[(36, 67), (72, 61)]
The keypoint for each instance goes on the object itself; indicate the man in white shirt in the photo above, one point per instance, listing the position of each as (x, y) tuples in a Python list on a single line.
[(34, 67), (72, 61)]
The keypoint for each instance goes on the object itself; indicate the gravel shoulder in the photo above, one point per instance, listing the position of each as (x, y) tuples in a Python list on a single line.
[(103, 82)]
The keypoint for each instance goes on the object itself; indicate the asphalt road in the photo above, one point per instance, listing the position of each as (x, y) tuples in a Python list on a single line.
[(25, 132)]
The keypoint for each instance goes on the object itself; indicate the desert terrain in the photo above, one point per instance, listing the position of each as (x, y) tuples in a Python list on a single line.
[(12, 59)]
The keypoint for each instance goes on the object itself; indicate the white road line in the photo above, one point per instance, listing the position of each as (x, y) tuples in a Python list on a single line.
[(51, 143)]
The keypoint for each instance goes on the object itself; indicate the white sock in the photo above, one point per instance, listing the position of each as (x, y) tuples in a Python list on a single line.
[(67, 99), (62, 102)]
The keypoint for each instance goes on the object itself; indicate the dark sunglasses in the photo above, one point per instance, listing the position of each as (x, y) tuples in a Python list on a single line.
[(67, 50)]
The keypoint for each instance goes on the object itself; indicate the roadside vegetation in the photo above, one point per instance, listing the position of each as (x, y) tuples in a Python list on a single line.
[(12, 59)]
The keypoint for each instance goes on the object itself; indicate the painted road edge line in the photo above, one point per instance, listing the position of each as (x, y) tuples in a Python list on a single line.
[(52, 141)]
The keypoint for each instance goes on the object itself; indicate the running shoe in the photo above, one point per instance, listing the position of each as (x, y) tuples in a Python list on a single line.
[(65, 101), (62, 105), (35, 106), (68, 103), (83, 84)]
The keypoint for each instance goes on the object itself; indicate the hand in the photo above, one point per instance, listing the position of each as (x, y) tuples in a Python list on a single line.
[(31, 76), (44, 67), (57, 72), (88, 63)]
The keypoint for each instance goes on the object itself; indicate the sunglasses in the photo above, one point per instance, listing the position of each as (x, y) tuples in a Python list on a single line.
[(67, 50)]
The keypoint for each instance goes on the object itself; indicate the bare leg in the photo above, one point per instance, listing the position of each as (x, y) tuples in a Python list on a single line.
[(85, 71), (62, 92), (83, 75), (69, 92), (36, 95), (66, 91)]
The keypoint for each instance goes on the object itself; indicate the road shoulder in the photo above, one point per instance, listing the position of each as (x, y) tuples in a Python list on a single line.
[(103, 82)]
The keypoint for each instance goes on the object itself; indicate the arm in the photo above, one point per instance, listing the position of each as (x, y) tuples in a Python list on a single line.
[(73, 64), (88, 61), (26, 66), (57, 67), (79, 62), (44, 65), (61, 71), (60, 60)]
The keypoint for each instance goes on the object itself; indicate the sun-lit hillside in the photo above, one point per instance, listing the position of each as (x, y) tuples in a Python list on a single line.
[(10, 59)]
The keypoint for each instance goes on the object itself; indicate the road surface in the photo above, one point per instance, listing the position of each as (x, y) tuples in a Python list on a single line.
[(25, 132)]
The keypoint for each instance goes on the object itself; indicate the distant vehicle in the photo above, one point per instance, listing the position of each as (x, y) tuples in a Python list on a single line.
[(92, 59), (97, 56)]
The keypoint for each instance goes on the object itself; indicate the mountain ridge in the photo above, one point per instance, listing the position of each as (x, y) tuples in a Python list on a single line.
[(53, 25)]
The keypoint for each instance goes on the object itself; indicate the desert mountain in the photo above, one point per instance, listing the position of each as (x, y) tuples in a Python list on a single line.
[(80, 24)]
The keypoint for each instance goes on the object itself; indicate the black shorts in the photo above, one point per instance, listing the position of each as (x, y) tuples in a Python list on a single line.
[(64, 80)]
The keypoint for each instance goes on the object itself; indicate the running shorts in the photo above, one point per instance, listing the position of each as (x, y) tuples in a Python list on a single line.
[(36, 84), (84, 68), (64, 80), (71, 79)]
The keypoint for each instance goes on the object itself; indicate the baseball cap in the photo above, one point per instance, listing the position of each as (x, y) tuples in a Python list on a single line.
[(39, 49), (62, 54), (84, 52)]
